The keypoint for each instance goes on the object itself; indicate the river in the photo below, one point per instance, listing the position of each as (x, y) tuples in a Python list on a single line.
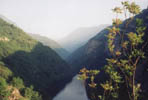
[(75, 90)]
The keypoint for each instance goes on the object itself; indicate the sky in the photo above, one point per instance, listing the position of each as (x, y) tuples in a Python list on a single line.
[(57, 18)]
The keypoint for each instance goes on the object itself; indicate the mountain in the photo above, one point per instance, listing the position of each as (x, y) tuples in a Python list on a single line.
[(93, 54), (79, 37), (52, 44), (7, 20), (13, 87), (35, 63)]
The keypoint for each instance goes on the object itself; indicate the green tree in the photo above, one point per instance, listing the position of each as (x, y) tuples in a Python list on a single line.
[(17, 82), (31, 94), (5, 72), (126, 54), (4, 93)]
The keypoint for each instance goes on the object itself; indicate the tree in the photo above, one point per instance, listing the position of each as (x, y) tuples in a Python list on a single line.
[(31, 94), (17, 82), (4, 71), (4, 93), (127, 51)]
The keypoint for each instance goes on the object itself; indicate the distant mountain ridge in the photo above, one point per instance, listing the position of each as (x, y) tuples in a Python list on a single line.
[(92, 54), (52, 44), (79, 37)]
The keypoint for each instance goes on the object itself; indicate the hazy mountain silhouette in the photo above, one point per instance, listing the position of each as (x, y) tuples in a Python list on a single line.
[(52, 44), (79, 37), (92, 54)]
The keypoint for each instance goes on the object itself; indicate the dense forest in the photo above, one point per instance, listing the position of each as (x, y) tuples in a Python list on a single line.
[(13, 88), (36, 64)]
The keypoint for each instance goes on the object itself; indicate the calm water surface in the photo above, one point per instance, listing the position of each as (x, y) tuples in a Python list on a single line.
[(75, 90)]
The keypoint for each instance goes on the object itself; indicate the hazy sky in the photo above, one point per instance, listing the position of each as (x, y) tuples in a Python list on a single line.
[(57, 18)]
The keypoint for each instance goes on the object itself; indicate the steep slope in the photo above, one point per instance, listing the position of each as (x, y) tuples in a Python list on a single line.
[(36, 64), (79, 37), (7, 20), (11, 87), (94, 53), (52, 44)]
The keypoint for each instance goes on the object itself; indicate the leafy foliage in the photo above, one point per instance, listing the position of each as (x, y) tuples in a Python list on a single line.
[(9, 85), (4, 93), (17, 82), (32, 95), (5, 72), (126, 55)]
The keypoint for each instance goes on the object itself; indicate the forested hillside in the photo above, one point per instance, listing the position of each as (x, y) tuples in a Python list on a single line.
[(36, 64), (13, 88), (93, 56), (92, 63), (52, 44)]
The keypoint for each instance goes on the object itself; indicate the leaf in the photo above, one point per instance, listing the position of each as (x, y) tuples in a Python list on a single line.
[(118, 53)]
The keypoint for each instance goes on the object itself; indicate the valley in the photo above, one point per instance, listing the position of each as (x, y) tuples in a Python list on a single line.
[(93, 62)]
